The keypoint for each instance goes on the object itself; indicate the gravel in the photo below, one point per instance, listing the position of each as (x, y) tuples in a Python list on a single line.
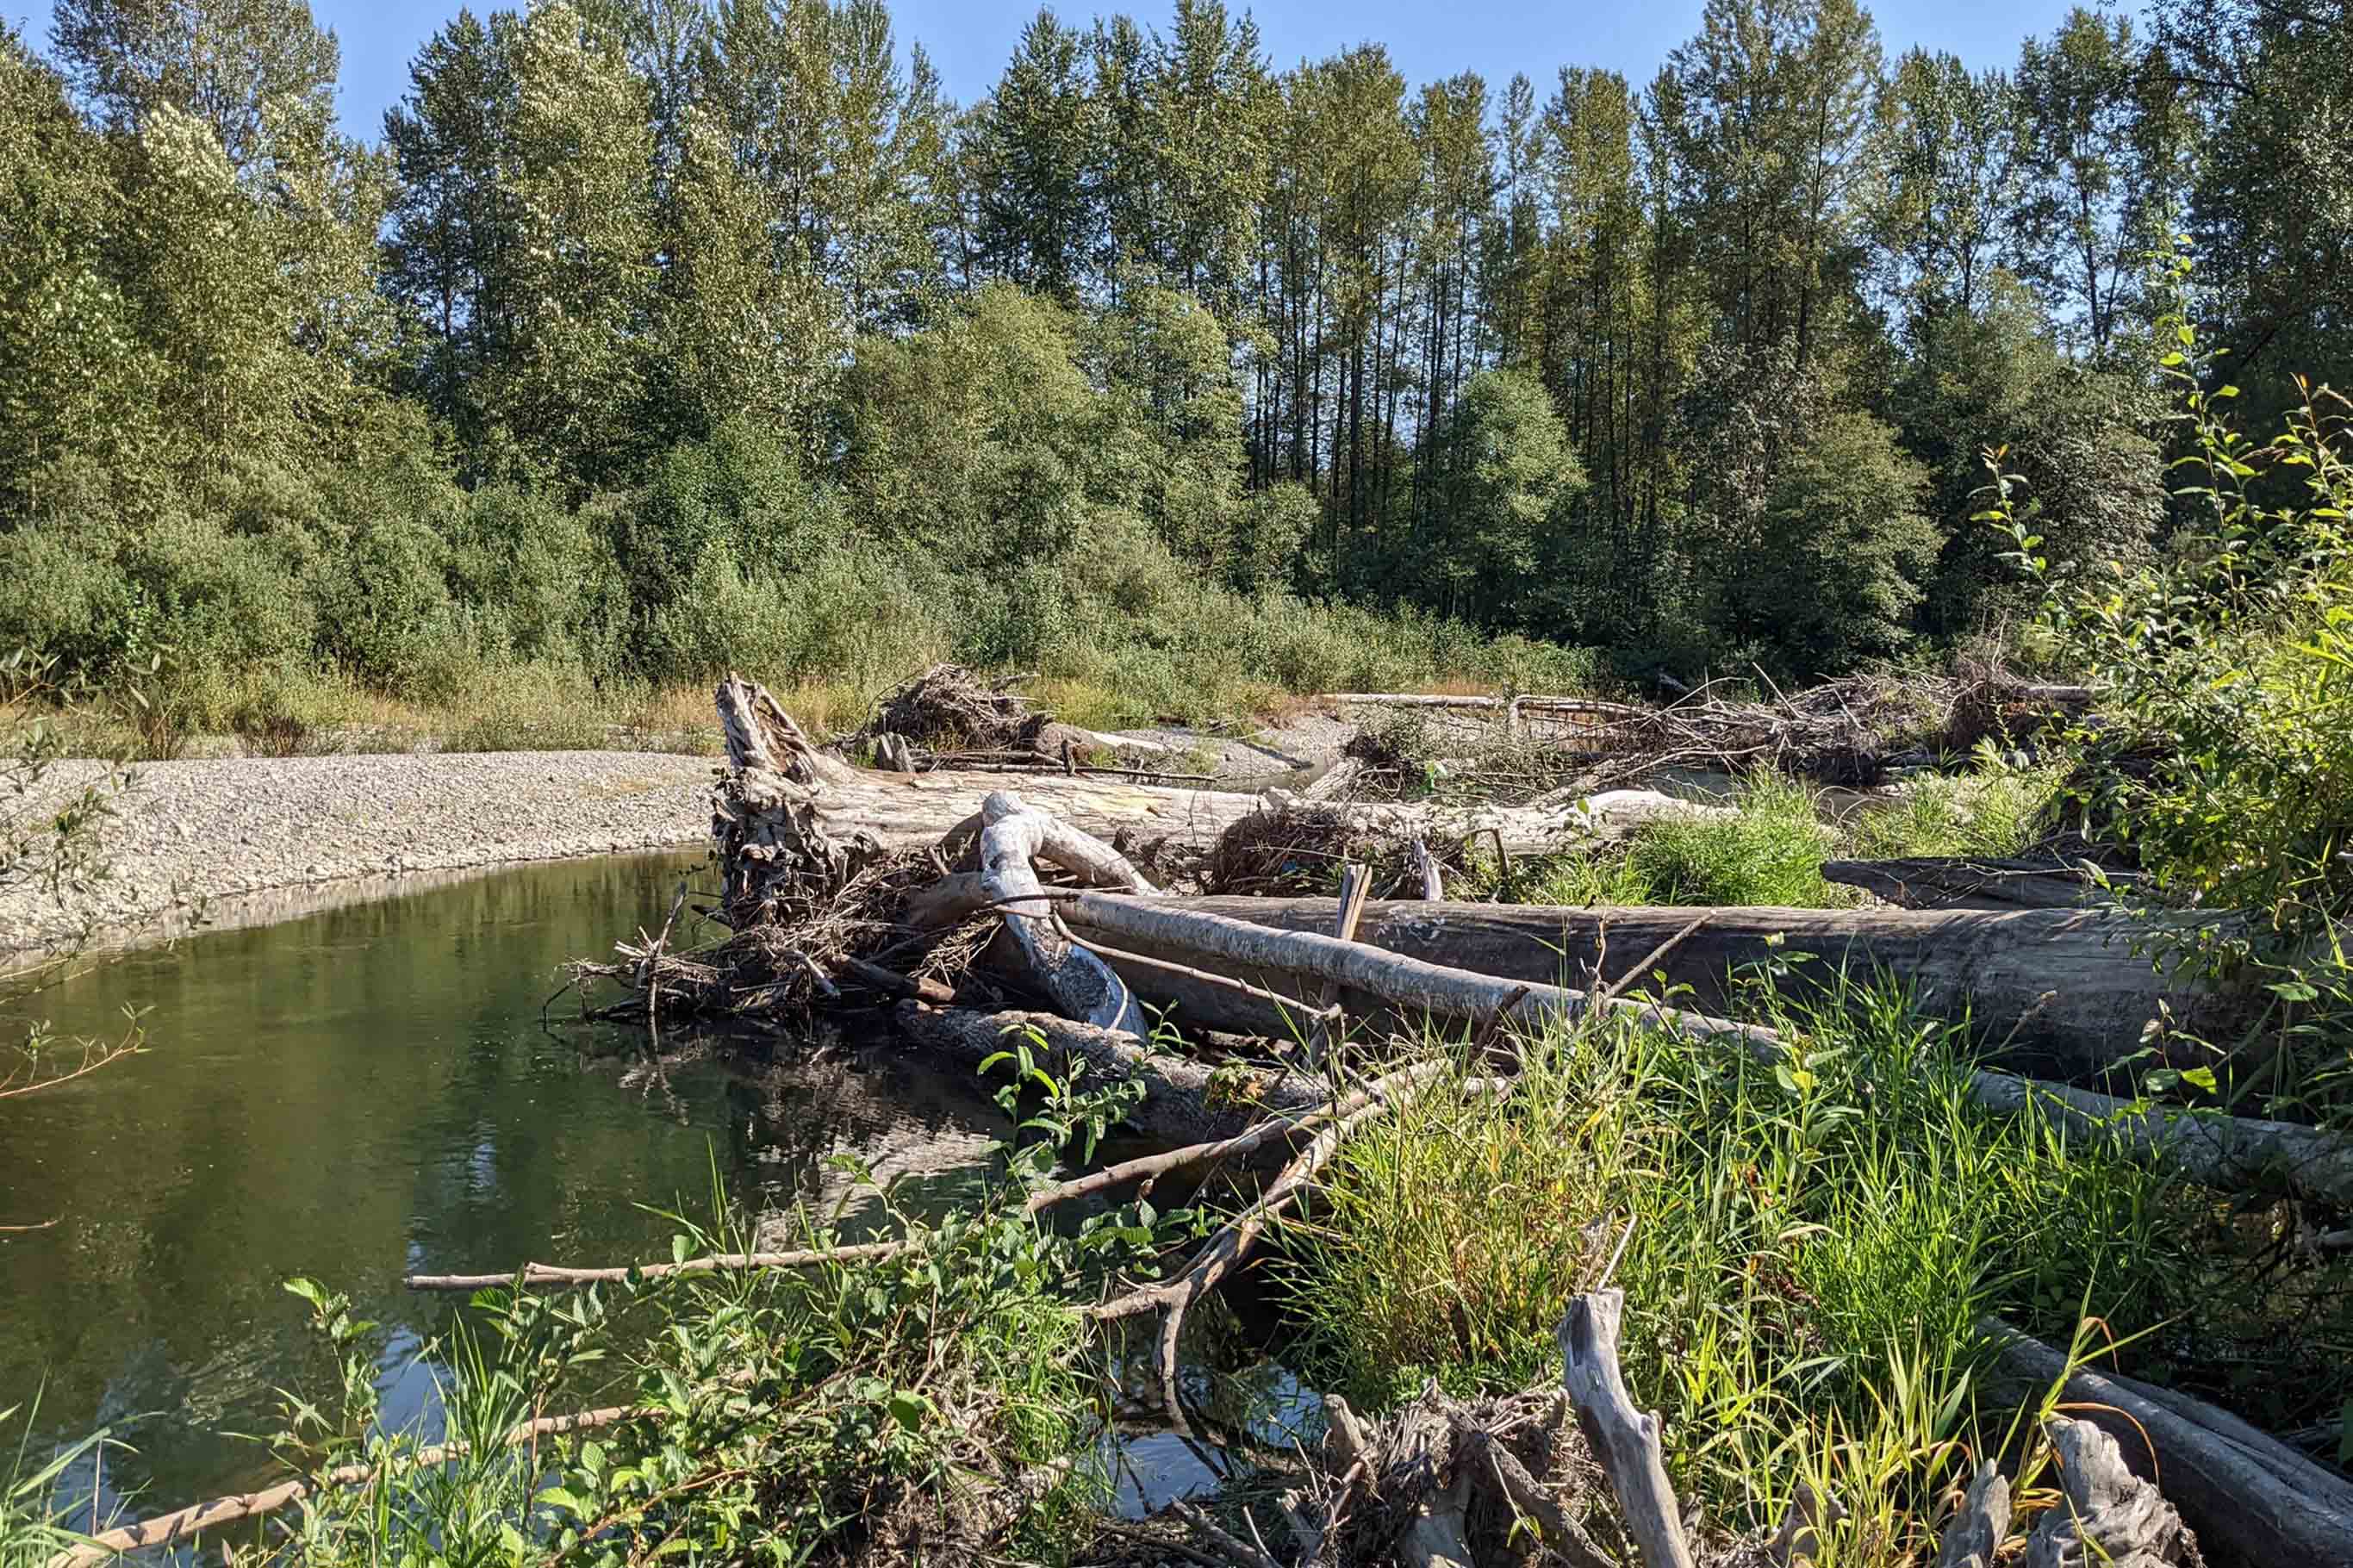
[(217, 829), (1301, 743), (224, 829)]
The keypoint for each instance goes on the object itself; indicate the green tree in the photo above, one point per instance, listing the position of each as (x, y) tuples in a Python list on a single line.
[(1807, 543), (77, 382), (2076, 436), (746, 329), (2272, 208), (1772, 125), (1034, 144), (1501, 506), (455, 227), (2095, 200), (224, 63), (1949, 141), (580, 274)]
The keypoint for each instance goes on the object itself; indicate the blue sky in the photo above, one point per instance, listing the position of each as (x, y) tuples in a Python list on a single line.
[(970, 40)]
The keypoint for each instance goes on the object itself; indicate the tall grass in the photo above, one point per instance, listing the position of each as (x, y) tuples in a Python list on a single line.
[(1771, 849), (1809, 1245)]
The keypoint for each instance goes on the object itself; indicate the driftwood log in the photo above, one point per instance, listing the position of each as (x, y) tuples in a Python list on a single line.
[(1185, 1100), (2252, 1499), (1296, 960), (1959, 883), (2053, 990), (2230, 1153), (1012, 837)]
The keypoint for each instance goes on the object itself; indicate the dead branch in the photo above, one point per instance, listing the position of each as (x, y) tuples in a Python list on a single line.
[(1623, 1438)]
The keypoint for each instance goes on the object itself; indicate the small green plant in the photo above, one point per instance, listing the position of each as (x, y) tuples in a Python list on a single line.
[(910, 1407)]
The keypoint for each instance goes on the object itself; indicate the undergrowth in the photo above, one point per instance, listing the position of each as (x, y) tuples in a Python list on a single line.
[(1808, 1246), (1771, 850)]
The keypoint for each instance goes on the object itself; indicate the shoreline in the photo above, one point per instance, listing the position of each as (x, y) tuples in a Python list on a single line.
[(240, 836)]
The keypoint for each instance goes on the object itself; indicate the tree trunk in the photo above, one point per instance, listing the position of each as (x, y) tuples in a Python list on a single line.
[(2055, 990)]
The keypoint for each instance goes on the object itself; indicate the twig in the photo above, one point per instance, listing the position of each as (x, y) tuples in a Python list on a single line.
[(1224, 1252), (1231, 1547), (1657, 955)]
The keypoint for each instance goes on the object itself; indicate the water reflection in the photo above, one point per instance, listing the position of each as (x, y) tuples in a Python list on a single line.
[(366, 1092)]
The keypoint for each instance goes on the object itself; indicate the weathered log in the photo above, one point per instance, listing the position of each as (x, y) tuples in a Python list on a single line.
[(1012, 837), (1974, 1535), (1953, 882), (2110, 1516), (2252, 1499), (2232, 1153), (1395, 982), (1183, 1101), (2052, 989), (1622, 1438)]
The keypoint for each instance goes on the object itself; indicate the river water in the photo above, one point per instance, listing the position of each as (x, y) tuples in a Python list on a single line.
[(366, 1092)]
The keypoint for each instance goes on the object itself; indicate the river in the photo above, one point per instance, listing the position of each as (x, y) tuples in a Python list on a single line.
[(365, 1092)]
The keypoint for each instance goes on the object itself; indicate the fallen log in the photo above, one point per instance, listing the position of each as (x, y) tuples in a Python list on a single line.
[(2051, 989), (1396, 984), (1184, 1099), (1953, 882), (2230, 1153), (2252, 1499)]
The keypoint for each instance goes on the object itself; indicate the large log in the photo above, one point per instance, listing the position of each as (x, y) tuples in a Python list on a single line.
[(1956, 882), (1395, 982), (2057, 990), (2252, 1499)]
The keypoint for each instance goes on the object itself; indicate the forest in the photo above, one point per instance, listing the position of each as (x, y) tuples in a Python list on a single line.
[(653, 337)]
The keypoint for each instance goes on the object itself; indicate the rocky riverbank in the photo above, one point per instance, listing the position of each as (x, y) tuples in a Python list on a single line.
[(189, 832)]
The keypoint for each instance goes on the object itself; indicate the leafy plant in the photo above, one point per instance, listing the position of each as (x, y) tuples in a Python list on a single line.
[(2224, 757)]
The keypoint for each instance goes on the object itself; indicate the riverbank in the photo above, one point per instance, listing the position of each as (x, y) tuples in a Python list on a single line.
[(187, 833)]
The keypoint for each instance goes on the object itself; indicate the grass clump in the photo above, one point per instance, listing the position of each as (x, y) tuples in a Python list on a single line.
[(1808, 1246)]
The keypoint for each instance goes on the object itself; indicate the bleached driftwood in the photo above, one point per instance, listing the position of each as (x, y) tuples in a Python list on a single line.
[(1395, 982), (2250, 1499), (2047, 987), (2230, 1153), (1623, 1439), (1012, 837), (2110, 1516)]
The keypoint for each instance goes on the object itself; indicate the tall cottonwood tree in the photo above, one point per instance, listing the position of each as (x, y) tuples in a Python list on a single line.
[(580, 272), (224, 63)]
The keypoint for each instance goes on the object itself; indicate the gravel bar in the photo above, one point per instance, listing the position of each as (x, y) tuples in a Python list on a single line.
[(192, 831)]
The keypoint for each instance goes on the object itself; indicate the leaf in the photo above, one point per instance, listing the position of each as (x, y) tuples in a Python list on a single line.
[(908, 1408), (556, 1496), (2200, 1077)]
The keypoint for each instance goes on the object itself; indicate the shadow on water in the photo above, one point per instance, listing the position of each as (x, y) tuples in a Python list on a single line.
[(366, 1092)]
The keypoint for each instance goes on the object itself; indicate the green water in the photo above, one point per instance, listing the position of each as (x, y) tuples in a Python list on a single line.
[(355, 1095)]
